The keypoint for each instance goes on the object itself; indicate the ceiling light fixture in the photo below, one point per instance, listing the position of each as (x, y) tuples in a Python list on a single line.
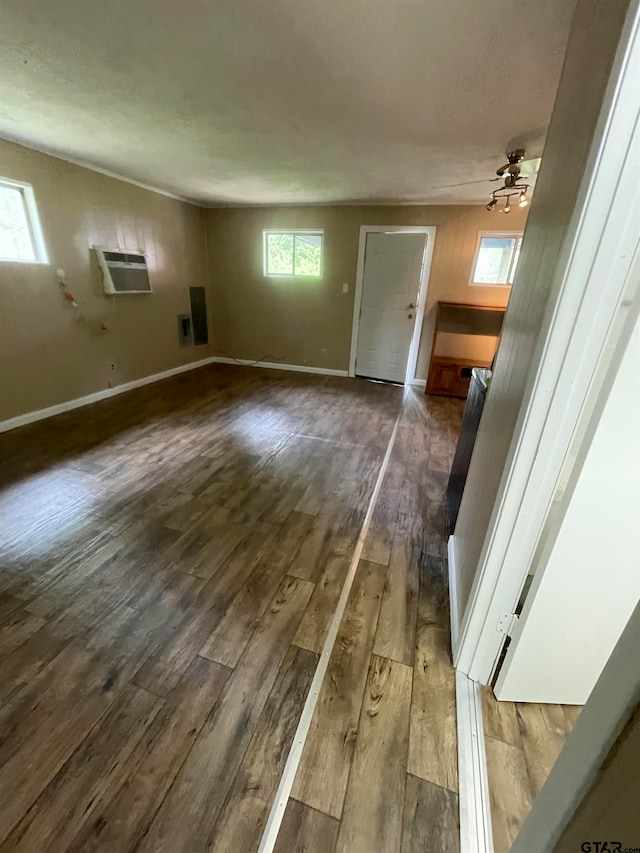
[(512, 186)]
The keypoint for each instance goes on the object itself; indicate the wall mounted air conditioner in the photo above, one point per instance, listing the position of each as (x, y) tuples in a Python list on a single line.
[(123, 272)]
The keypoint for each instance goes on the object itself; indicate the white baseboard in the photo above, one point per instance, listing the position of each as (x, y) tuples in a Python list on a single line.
[(275, 365), (78, 402), (454, 612), (418, 383), (476, 835)]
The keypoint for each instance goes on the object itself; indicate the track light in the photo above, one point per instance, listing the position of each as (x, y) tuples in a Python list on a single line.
[(514, 184)]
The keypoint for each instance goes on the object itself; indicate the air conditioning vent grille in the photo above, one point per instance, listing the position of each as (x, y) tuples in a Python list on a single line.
[(123, 272), (124, 258)]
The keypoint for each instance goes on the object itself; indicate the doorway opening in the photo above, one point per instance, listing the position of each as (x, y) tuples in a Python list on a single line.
[(391, 287)]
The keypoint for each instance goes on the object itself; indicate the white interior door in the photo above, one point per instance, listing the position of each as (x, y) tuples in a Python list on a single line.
[(587, 584), (392, 267)]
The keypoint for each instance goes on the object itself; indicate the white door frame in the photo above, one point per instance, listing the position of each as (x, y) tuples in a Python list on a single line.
[(430, 231), (598, 290)]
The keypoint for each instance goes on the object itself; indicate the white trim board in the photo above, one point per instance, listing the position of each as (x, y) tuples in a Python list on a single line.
[(430, 231), (476, 834), (79, 402), (454, 612)]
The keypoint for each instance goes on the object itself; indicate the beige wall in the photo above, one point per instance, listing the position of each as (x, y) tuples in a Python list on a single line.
[(593, 40), (308, 321), (46, 357)]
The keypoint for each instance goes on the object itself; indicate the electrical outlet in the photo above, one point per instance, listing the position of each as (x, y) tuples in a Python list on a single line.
[(113, 365), (62, 276), (345, 287)]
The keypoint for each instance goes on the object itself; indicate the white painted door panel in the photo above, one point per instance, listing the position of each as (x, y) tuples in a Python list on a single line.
[(391, 280), (583, 595)]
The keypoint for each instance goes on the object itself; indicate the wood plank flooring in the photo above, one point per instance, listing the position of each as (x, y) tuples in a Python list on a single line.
[(522, 741), (381, 754), (171, 561)]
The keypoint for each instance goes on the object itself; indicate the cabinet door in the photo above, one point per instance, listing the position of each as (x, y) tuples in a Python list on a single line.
[(443, 378)]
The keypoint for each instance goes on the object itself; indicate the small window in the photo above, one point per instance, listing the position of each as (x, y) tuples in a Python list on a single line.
[(293, 253), (20, 234), (496, 259)]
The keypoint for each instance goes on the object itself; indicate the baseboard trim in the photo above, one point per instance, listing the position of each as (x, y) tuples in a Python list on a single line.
[(476, 834), (418, 383), (275, 365), (79, 402), (454, 612)]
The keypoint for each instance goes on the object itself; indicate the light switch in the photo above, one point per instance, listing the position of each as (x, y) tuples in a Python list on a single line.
[(345, 287)]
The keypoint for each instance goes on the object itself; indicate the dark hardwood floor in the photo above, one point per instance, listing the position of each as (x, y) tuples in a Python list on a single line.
[(171, 561)]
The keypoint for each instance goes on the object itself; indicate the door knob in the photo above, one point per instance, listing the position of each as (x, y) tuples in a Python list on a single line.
[(410, 316), (411, 305)]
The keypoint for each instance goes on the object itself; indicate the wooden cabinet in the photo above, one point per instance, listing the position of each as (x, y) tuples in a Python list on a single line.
[(449, 375)]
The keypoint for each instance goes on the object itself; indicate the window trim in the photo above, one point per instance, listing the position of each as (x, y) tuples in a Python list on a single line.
[(33, 223), (315, 232), (511, 272)]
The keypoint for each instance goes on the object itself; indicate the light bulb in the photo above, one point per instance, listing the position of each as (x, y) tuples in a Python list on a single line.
[(524, 201), (491, 205), (507, 207)]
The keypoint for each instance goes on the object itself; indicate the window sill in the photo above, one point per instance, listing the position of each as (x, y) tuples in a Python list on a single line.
[(22, 262)]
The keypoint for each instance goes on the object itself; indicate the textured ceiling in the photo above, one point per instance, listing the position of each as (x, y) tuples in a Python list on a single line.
[(284, 101)]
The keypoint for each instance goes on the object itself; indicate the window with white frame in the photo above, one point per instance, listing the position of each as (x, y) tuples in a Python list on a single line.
[(293, 253), (496, 258), (20, 233)]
